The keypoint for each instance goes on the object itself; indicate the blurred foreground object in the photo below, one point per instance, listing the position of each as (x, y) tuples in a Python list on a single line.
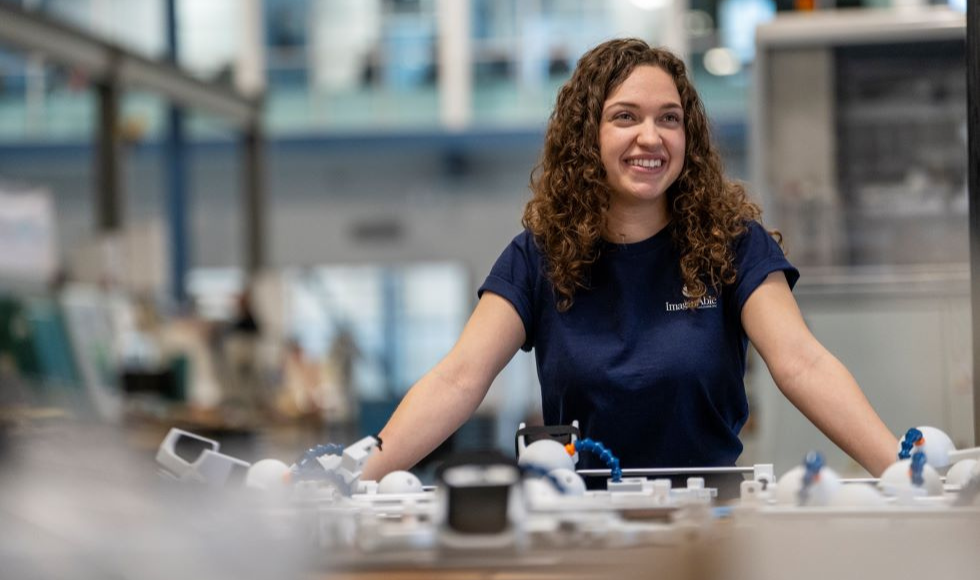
[(489, 513), (76, 503)]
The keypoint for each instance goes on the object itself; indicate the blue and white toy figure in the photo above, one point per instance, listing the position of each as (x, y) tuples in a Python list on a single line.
[(910, 475), (913, 474), (545, 454), (934, 443), (551, 459)]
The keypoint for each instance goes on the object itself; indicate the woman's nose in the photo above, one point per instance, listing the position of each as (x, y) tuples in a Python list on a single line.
[(649, 134)]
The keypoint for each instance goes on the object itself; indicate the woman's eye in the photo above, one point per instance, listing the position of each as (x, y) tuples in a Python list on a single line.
[(672, 118), (623, 116)]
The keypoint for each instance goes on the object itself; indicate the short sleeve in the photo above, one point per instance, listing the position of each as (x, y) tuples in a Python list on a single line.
[(513, 277), (757, 255)]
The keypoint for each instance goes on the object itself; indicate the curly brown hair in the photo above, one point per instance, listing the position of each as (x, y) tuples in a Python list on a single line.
[(566, 213)]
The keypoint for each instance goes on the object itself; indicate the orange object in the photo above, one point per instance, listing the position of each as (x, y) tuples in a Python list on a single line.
[(570, 448)]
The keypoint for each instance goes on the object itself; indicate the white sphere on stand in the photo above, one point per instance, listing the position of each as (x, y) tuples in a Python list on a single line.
[(857, 495), (400, 482), (546, 454), (962, 471), (898, 477), (267, 474), (819, 494)]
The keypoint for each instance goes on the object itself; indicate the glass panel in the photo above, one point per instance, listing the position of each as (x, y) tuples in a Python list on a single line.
[(902, 153), (360, 64), (390, 324), (136, 25), (355, 66)]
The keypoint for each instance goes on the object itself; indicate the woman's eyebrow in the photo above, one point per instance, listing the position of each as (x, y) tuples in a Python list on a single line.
[(631, 105)]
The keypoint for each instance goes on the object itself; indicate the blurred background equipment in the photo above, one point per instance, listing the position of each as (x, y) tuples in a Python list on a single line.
[(858, 150)]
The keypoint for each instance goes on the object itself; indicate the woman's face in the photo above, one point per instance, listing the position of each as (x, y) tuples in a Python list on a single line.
[(641, 138)]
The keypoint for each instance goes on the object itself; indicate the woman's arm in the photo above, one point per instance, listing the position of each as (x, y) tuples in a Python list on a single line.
[(442, 400), (813, 379)]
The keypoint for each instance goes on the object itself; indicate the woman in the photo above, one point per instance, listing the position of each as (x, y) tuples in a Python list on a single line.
[(640, 276)]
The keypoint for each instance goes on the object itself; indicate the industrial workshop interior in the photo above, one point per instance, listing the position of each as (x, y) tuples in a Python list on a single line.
[(234, 234)]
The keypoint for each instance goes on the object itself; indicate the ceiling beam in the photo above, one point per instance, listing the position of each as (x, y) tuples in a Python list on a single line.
[(105, 62)]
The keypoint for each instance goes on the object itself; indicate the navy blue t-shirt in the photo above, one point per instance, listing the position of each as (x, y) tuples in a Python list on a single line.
[(657, 384)]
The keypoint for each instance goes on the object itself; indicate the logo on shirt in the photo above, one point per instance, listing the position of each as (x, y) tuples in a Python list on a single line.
[(706, 301)]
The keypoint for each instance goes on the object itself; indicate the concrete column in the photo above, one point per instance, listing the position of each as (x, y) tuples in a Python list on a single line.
[(455, 64)]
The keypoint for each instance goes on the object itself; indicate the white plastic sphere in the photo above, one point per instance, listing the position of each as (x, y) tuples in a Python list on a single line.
[(399, 482), (267, 474), (936, 446), (857, 495), (546, 454), (571, 482), (962, 471), (897, 477), (819, 494)]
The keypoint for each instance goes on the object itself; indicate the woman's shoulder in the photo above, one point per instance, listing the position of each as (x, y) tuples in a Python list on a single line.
[(523, 244), (757, 239), (759, 246), (525, 237), (527, 242), (754, 230), (754, 227)]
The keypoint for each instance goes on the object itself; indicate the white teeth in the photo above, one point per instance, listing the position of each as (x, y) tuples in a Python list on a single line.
[(650, 163)]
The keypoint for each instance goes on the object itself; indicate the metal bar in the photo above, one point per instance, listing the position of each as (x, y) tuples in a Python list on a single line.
[(187, 91), (176, 175), (973, 156), (56, 41), (390, 320), (961, 454), (254, 200), (108, 176), (177, 204), (101, 61), (646, 472)]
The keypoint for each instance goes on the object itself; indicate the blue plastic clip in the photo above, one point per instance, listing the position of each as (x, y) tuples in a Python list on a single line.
[(908, 442), (918, 465), (813, 462), (604, 454), (308, 460)]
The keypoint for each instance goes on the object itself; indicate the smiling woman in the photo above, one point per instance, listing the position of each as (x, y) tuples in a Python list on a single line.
[(580, 189), (639, 280)]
